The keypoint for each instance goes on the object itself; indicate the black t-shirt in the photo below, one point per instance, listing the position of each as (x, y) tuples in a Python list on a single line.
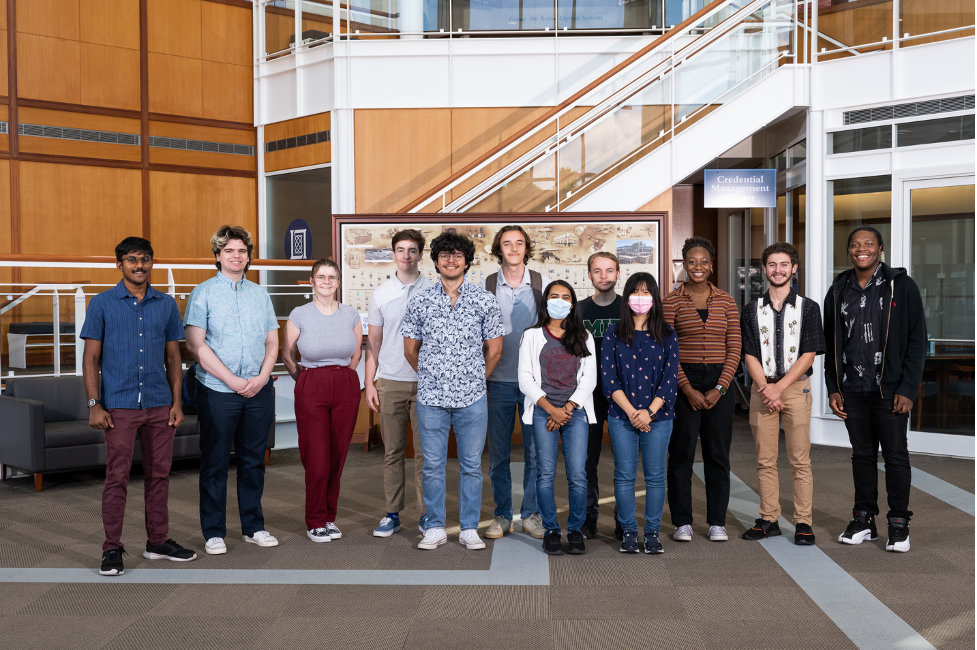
[(597, 319)]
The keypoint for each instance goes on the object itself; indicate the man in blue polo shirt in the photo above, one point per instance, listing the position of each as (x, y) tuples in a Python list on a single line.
[(231, 333), (133, 332)]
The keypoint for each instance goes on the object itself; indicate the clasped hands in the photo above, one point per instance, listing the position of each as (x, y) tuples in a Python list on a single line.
[(248, 387), (560, 416), (770, 394)]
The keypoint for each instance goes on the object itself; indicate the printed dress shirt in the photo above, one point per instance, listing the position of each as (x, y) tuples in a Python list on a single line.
[(133, 336), (236, 321), (861, 316), (450, 366), (811, 334)]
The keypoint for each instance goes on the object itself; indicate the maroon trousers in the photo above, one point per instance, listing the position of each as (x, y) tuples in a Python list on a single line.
[(156, 444), (327, 401)]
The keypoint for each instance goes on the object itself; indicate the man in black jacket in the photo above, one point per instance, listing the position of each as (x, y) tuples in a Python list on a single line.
[(875, 331)]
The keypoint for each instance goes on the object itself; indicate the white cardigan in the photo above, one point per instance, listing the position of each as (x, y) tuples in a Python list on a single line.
[(530, 376)]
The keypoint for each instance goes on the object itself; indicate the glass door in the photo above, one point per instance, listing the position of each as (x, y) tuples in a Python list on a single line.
[(940, 214)]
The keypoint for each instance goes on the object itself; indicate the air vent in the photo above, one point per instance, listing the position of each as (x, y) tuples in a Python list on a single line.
[(4, 128), (200, 145), (298, 141), (83, 135), (898, 111)]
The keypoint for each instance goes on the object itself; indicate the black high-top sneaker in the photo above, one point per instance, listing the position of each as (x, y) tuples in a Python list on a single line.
[(860, 528), (898, 535)]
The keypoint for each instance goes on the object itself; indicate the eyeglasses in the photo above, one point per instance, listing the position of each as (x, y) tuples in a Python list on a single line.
[(444, 257), (136, 260), (326, 278)]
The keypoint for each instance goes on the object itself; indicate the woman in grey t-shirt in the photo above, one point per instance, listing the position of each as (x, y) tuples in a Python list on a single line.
[(327, 334)]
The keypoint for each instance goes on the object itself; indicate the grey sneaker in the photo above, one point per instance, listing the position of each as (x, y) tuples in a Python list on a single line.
[(534, 526), (683, 534), (718, 534), (499, 527)]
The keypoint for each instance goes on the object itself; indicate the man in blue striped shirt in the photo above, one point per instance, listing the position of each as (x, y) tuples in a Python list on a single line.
[(133, 331)]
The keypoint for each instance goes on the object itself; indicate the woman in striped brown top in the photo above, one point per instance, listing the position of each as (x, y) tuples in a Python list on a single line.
[(709, 342)]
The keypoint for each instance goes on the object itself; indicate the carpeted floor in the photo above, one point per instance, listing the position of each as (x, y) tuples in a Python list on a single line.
[(696, 595)]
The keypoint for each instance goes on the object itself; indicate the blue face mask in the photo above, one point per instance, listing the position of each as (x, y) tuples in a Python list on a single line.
[(558, 308)]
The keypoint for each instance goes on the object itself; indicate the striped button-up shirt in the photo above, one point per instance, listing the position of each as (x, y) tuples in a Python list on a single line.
[(133, 335), (716, 341)]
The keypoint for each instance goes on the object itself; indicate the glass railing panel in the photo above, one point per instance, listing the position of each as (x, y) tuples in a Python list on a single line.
[(279, 28), (317, 20), (928, 16), (501, 15), (862, 27), (534, 190), (609, 14)]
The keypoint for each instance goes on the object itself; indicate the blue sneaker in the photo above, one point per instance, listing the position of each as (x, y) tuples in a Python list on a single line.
[(630, 542), (422, 523), (388, 526), (652, 543)]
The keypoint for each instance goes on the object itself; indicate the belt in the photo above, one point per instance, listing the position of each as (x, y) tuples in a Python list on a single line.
[(773, 380)]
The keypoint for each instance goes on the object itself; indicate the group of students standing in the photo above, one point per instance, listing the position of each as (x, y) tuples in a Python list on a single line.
[(449, 355)]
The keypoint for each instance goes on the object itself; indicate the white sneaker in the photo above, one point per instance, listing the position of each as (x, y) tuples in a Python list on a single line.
[(470, 539), (215, 546), (683, 534), (261, 538), (718, 534), (433, 538), (334, 532), (318, 535)]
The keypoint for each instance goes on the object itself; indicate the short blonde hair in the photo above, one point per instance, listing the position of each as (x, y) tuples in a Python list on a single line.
[(606, 256), (225, 234)]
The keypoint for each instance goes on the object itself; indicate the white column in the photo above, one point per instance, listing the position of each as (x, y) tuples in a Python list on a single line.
[(79, 323), (298, 25), (56, 301), (411, 18)]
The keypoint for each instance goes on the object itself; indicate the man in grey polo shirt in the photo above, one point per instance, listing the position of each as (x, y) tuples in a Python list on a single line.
[(395, 395), (230, 330), (519, 293)]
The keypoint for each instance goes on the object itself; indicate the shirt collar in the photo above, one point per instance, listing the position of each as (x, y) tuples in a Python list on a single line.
[(227, 282), (712, 290), (121, 291), (415, 283), (526, 278), (791, 298), (466, 287)]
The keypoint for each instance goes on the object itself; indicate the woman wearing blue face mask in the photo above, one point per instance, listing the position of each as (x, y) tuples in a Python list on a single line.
[(558, 374), (639, 372)]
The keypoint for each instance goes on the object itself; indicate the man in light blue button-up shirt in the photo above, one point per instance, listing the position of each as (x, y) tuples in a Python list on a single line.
[(230, 330)]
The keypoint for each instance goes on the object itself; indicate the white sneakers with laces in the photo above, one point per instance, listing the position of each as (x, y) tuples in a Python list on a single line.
[(261, 538), (433, 538), (215, 546), (470, 539)]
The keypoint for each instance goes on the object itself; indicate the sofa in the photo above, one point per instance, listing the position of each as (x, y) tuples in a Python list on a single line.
[(45, 429)]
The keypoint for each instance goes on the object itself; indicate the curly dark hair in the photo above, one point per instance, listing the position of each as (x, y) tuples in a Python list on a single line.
[(574, 337), (698, 242), (449, 243), (780, 247), (497, 243)]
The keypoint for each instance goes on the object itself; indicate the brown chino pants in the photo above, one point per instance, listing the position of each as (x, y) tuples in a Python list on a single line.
[(398, 404), (797, 433)]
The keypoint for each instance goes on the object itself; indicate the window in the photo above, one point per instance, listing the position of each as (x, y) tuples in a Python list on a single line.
[(946, 129), (857, 202), (874, 137)]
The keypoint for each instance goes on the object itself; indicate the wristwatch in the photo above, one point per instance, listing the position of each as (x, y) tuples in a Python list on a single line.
[(92, 403), (722, 391), (653, 414)]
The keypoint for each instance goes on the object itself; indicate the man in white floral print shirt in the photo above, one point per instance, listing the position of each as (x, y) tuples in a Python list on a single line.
[(453, 339), (782, 333)]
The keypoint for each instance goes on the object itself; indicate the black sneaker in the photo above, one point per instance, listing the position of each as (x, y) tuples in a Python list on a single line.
[(168, 550), (898, 535), (589, 528), (762, 529), (860, 528), (575, 543), (630, 542), (553, 542), (652, 543), (618, 531), (803, 535), (112, 562)]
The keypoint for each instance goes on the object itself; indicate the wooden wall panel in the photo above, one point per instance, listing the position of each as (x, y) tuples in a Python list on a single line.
[(3, 63), (198, 205), (58, 147), (226, 34), (160, 156), (78, 120), (227, 92), (109, 76), (55, 200), (57, 18), (207, 133), (174, 27), (175, 85), (48, 68), (313, 154), (3, 14), (110, 22)]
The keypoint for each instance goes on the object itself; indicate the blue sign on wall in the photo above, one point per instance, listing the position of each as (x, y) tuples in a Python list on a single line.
[(741, 188), (298, 241)]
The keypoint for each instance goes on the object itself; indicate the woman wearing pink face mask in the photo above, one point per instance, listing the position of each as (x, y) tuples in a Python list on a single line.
[(639, 373)]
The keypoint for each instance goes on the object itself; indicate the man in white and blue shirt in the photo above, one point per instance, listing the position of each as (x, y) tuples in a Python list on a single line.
[(453, 339), (230, 329)]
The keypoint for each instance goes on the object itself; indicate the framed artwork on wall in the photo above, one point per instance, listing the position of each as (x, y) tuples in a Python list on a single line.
[(563, 243)]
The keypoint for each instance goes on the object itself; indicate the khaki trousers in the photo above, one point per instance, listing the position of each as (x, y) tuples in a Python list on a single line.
[(797, 433), (398, 404)]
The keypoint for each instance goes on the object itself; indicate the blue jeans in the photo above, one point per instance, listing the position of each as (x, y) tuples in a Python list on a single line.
[(625, 440), (503, 398), (574, 436), (433, 424)]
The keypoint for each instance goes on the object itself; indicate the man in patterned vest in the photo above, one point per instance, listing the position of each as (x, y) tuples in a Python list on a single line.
[(782, 334)]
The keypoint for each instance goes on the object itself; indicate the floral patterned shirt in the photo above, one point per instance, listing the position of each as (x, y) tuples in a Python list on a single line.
[(644, 370), (450, 365), (810, 337)]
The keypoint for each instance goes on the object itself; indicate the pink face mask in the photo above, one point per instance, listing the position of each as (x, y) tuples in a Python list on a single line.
[(641, 304)]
